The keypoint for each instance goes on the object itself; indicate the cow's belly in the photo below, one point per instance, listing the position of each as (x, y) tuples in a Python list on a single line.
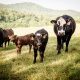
[(23, 42)]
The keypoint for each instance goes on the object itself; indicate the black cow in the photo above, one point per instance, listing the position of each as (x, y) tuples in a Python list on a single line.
[(64, 27), (40, 41), (1, 37)]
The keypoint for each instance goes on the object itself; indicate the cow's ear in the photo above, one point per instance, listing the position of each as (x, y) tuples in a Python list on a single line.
[(12, 36), (9, 36), (53, 21), (32, 36), (15, 36), (45, 35)]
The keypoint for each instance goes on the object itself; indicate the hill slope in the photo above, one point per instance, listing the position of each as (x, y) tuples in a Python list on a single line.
[(30, 14), (29, 8), (34, 8)]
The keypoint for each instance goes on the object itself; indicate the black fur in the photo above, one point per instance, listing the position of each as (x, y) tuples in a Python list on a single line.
[(69, 30), (40, 44)]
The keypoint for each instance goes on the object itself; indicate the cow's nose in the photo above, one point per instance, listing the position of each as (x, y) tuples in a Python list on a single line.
[(38, 44), (61, 32)]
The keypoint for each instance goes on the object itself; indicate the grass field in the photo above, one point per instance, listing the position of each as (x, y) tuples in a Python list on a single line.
[(65, 66)]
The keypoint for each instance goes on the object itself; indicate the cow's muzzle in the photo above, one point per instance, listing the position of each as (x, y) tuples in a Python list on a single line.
[(61, 32), (38, 44)]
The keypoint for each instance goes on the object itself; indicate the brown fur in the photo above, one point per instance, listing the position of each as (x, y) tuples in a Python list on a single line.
[(22, 40), (7, 34)]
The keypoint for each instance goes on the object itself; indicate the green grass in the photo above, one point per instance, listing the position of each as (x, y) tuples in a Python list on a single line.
[(10, 47), (65, 66)]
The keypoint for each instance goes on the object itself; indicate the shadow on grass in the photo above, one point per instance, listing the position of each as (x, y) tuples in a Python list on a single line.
[(74, 74), (6, 73)]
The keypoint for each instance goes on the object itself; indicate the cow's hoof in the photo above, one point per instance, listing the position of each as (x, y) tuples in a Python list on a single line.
[(56, 48), (18, 53), (1, 46), (41, 61), (34, 62), (58, 52), (66, 50)]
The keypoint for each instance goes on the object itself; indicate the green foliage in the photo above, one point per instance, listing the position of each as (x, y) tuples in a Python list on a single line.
[(10, 47), (30, 15), (12, 18)]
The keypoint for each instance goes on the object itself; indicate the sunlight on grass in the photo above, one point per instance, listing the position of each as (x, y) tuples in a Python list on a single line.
[(7, 55), (21, 68), (58, 62)]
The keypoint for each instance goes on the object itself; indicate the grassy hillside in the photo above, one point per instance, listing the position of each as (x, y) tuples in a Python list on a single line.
[(33, 8), (29, 7), (10, 18), (30, 15), (65, 66)]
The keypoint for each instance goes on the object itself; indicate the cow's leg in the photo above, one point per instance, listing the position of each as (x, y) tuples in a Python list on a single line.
[(1, 45), (59, 44), (67, 43), (62, 44), (35, 55), (41, 56), (19, 49), (5, 43), (30, 46), (42, 53), (8, 42)]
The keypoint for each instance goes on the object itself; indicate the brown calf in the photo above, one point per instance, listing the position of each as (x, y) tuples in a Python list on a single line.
[(22, 40)]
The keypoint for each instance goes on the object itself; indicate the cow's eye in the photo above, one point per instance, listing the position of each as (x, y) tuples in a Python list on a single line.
[(64, 27), (58, 23)]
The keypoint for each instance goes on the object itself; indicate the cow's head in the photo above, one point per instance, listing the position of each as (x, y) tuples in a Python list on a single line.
[(39, 39), (32, 37), (61, 24), (13, 38)]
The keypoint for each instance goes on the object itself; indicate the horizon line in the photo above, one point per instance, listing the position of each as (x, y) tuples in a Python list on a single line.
[(39, 5)]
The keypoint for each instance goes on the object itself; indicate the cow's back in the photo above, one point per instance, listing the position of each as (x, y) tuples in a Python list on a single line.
[(24, 40), (42, 31)]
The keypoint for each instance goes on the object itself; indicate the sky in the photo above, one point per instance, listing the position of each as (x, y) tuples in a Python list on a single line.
[(52, 4)]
